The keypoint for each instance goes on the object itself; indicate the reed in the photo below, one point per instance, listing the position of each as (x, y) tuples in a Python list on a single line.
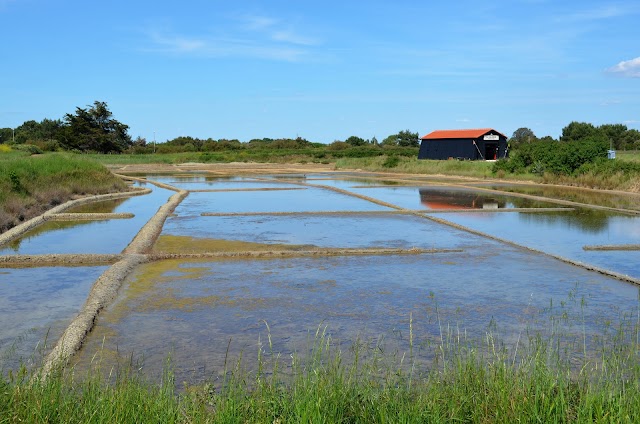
[(551, 376)]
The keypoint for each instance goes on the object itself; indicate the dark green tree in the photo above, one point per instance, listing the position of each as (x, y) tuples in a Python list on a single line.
[(94, 129), (521, 136), (404, 138), (6, 135), (356, 141), (578, 131)]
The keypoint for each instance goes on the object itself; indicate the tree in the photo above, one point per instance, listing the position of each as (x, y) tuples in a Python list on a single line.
[(6, 135), (578, 131), (521, 136), (356, 141), (403, 138), (94, 129)]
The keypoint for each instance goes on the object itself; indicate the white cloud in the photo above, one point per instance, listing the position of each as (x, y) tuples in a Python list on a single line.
[(251, 36), (627, 68)]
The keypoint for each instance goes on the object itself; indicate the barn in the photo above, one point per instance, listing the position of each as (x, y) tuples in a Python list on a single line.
[(473, 144)]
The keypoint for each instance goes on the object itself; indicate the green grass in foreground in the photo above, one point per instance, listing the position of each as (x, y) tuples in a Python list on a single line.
[(29, 185), (540, 380)]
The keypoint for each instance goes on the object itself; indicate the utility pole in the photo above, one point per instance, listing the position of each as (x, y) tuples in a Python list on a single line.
[(154, 142), (13, 135)]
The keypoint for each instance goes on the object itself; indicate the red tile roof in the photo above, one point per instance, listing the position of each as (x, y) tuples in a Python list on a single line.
[(473, 133)]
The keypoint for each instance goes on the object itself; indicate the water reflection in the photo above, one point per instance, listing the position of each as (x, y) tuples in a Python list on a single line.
[(449, 199), (601, 198), (110, 236)]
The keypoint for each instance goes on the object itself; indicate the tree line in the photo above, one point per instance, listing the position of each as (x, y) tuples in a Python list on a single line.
[(90, 129), (93, 129), (580, 146)]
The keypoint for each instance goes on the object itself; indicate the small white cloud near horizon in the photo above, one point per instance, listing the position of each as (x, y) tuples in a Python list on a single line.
[(627, 68)]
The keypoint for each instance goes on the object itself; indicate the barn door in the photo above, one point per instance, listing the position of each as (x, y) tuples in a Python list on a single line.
[(491, 151)]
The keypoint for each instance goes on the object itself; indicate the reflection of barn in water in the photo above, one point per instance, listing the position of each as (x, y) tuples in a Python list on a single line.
[(453, 199)]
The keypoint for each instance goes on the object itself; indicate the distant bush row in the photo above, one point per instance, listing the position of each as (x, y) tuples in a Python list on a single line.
[(582, 148)]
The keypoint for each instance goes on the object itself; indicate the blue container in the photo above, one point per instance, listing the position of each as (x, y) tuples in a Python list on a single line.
[(611, 154)]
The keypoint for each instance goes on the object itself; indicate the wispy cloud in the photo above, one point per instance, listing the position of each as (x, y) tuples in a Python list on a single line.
[(627, 68), (597, 14), (212, 47), (276, 30), (251, 36)]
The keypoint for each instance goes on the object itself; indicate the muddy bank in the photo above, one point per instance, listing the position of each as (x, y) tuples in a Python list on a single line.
[(22, 261)]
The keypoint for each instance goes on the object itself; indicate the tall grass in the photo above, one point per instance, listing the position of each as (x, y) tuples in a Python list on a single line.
[(539, 379), (29, 185), (413, 165)]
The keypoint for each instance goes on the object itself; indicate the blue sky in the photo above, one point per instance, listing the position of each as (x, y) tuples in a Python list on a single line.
[(322, 70)]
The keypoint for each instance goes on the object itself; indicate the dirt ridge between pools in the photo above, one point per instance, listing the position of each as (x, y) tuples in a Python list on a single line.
[(58, 260), (613, 247), (21, 229), (104, 290), (269, 254), (98, 216), (225, 190), (390, 212), (106, 287)]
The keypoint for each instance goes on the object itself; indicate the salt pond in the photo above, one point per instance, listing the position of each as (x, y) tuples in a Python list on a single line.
[(204, 310)]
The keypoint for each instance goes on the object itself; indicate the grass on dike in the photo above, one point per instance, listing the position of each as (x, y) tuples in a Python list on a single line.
[(29, 185), (539, 379)]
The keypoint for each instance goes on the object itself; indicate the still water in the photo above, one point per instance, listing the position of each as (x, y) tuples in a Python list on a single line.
[(203, 311), (198, 310), (36, 305), (99, 237)]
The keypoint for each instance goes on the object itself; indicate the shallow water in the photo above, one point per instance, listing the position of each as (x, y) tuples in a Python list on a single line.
[(565, 234), (347, 231), (440, 197), (107, 236), (310, 199), (37, 304), (199, 310)]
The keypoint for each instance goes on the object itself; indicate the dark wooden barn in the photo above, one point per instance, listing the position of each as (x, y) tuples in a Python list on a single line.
[(476, 144)]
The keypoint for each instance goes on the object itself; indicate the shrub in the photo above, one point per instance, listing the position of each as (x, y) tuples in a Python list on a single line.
[(29, 148), (391, 162)]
